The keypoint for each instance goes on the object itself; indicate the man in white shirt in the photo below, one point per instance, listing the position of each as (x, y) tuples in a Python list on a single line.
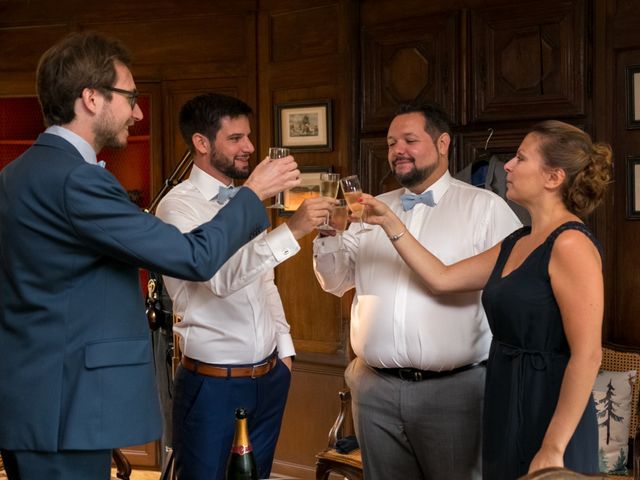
[(234, 337), (418, 379)]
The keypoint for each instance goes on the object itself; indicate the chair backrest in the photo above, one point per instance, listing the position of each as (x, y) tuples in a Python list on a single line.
[(557, 473), (617, 358)]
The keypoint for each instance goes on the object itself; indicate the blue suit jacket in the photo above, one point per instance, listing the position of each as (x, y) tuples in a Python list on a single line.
[(76, 369)]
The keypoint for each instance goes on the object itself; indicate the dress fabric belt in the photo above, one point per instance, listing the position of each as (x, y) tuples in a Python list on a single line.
[(416, 375), (251, 371)]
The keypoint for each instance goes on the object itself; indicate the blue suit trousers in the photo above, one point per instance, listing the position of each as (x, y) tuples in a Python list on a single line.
[(64, 465), (204, 420)]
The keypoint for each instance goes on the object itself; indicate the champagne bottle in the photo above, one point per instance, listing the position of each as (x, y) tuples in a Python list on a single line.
[(241, 464)]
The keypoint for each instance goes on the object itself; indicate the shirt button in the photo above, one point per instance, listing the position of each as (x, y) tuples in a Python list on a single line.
[(286, 252)]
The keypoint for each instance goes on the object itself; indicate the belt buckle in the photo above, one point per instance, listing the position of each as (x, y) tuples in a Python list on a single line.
[(253, 369), (410, 374)]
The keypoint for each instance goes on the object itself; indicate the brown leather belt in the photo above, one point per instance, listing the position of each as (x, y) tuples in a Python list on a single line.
[(252, 371)]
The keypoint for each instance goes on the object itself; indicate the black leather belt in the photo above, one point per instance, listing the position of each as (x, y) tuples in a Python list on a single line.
[(416, 375)]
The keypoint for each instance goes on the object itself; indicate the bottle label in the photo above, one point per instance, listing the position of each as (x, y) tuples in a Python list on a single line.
[(241, 449)]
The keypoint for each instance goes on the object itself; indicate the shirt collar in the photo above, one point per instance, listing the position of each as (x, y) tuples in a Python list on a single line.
[(83, 147), (207, 185), (439, 187)]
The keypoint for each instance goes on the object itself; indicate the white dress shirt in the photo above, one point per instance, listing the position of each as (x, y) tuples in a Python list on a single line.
[(395, 321), (236, 317)]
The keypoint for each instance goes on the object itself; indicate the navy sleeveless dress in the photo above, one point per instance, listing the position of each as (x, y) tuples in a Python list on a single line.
[(528, 356)]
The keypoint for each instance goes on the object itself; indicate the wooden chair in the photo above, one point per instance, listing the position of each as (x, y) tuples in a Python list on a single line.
[(617, 358), (556, 473), (349, 464), (123, 467)]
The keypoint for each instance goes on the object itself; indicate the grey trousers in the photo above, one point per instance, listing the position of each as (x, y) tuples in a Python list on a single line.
[(428, 430)]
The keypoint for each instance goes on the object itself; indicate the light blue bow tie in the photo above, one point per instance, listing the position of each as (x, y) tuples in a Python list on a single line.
[(409, 200), (226, 193)]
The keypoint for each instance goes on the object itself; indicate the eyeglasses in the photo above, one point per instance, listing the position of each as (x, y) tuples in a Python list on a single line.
[(132, 95)]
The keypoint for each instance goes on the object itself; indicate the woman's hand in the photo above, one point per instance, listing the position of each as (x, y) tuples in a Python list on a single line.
[(376, 212), (546, 457)]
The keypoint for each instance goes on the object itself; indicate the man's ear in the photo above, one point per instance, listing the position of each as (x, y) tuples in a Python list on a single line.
[(201, 143), (91, 99), (442, 144)]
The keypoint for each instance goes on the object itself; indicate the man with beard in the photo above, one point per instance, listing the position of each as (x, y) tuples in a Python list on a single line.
[(234, 337), (418, 379), (77, 370)]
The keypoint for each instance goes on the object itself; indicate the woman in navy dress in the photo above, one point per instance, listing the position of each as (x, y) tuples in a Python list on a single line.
[(544, 299)]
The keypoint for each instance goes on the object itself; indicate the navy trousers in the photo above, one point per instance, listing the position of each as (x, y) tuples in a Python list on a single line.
[(204, 420), (65, 465)]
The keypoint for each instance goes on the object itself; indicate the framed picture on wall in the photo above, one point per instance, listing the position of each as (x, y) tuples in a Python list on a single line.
[(633, 187), (633, 97), (304, 126)]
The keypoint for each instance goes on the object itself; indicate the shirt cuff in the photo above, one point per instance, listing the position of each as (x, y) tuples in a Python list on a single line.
[(285, 346), (282, 243)]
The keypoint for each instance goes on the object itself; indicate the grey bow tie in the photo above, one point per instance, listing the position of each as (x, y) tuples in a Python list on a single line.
[(226, 193), (409, 200)]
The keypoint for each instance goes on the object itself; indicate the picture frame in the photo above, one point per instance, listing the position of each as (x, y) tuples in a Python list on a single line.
[(633, 97), (304, 126), (309, 187), (633, 187)]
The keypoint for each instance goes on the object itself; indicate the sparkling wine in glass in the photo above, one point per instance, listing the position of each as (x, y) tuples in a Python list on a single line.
[(352, 192), (328, 188), (339, 216), (275, 153)]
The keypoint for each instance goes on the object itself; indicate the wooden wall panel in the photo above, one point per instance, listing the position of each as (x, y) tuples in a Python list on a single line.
[(528, 61), (22, 47), (623, 325), (305, 33), (409, 64), (312, 408), (176, 93), (376, 176), (173, 50)]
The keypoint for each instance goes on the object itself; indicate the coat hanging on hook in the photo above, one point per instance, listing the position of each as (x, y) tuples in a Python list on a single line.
[(487, 171)]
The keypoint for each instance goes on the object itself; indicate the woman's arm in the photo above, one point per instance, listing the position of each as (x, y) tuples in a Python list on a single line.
[(576, 278), (466, 275)]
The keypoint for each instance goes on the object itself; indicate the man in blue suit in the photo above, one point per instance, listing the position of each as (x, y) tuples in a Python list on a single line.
[(77, 372)]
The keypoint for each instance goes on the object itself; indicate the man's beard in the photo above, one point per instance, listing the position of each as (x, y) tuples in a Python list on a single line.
[(227, 166), (416, 176), (105, 133)]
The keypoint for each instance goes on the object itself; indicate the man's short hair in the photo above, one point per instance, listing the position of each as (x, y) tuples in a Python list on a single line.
[(79, 61), (436, 119), (202, 114)]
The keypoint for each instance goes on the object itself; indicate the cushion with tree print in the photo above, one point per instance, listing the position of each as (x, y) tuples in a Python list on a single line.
[(612, 395)]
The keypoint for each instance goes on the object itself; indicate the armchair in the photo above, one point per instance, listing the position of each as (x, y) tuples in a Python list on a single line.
[(618, 358)]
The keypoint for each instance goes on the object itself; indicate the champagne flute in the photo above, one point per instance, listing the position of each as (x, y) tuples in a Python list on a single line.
[(339, 216), (328, 188), (352, 192), (275, 153)]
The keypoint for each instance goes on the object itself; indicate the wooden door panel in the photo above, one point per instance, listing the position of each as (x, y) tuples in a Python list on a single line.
[(528, 61), (414, 63)]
